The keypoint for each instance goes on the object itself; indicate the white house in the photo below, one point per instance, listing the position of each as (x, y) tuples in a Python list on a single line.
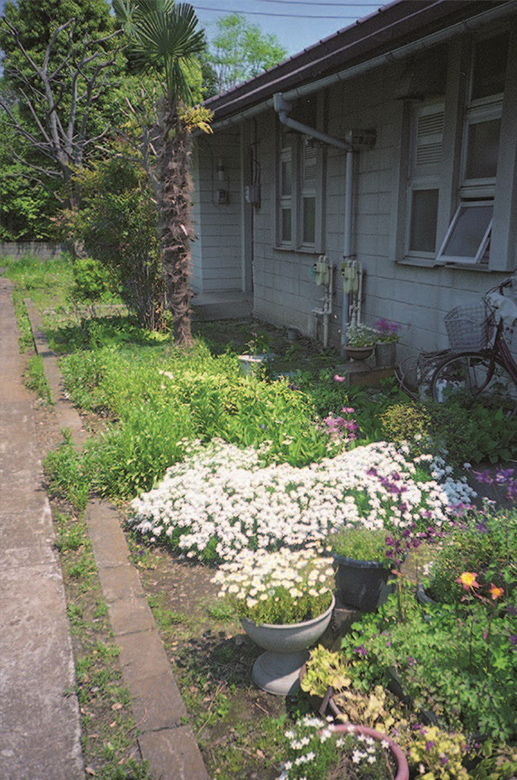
[(391, 144)]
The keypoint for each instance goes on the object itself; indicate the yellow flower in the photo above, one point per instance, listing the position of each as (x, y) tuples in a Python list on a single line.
[(496, 592), (467, 580)]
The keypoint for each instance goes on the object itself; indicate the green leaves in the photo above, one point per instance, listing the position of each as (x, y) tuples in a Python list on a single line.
[(163, 35)]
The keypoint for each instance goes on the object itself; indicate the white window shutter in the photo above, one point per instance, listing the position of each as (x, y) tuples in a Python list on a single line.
[(428, 139)]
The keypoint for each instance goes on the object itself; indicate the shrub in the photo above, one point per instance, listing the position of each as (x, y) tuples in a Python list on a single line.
[(409, 423), (482, 543)]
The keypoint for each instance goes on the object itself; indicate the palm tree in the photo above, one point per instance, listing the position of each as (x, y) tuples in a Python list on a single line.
[(165, 37)]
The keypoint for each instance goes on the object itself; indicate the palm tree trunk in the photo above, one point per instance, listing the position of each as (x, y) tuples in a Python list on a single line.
[(175, 223)]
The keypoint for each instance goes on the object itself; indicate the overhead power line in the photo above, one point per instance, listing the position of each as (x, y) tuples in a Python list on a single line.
[(265, 13), (311, 2)]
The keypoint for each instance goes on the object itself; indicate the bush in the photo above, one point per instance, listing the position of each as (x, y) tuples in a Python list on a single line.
[(92, 282), (409, 423), (118, 225), (483, 544)]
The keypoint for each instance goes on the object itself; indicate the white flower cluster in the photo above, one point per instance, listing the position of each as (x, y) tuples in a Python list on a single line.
[(285, 579), (312, 731), (224, 497)]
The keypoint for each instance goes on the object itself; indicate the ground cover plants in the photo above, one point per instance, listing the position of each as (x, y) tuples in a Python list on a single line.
[(210, 465)]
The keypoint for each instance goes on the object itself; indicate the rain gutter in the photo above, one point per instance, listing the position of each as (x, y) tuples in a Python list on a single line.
[(466, 25)]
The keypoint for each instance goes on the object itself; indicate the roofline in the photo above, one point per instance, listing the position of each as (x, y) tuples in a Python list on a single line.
[(255, 96)]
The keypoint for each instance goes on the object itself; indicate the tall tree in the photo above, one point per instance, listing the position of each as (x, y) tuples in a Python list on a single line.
[(56, 54), (240, 50), (165, 37)]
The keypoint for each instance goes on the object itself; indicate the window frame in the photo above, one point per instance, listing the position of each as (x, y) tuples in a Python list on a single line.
[(292, 146), (429, 178), (442, 257)]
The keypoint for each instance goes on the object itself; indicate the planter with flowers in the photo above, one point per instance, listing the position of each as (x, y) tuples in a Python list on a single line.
[(388, 334), (319, 750), (360, 340), (362, 570), (258, 354), (284, 600)]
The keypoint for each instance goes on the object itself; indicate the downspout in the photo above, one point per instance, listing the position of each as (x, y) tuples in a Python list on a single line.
[(347, 235), (283, 107)]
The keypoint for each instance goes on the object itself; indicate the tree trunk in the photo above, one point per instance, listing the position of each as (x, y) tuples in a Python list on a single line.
[(175, 221)]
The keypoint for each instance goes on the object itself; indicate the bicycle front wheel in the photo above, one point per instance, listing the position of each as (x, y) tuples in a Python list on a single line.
[(470, 376)]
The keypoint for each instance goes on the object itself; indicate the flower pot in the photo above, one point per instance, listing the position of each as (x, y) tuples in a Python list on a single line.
[(397, 755), (385, 354), (278, 670), (358, 353), (361, 584), (250, 364)]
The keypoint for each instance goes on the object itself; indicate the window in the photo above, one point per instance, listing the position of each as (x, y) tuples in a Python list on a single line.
[(308, 191), (286, 188), (469, 233), (456, 186), (468, 237), (425, 178), (300, 178)]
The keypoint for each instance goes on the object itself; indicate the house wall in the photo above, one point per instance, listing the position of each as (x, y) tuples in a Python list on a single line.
[(217, 250), (415, 293)]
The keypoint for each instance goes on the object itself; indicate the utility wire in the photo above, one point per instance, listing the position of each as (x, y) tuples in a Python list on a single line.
[(264, 13), (311, 2)]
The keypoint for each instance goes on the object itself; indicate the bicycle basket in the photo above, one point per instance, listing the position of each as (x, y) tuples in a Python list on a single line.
[(469, 327)]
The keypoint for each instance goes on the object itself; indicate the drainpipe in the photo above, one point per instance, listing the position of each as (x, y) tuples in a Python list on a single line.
[(366, 139), (347, 237), (282, 107)]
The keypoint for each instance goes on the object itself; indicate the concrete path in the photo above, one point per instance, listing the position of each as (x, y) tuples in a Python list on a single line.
[(39, 717), (165, 738)]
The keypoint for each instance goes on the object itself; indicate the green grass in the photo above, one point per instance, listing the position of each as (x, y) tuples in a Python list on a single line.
[(108, 729)]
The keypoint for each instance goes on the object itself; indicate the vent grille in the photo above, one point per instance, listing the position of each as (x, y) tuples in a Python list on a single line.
[(429, 154), (429, 138), (309, 163)]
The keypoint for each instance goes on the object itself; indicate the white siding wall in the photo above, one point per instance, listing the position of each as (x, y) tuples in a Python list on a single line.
[(284, 289), (217, 252)]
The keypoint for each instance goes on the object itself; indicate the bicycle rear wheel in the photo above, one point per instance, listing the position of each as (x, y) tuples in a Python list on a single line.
[(468, 377)]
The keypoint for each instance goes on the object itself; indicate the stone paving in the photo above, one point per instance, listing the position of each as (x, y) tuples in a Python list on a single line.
[(39, 715), (39, 718)]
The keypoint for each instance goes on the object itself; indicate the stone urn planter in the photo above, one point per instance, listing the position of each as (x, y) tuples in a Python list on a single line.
[(251, 364), (277, 670), (358, 353)]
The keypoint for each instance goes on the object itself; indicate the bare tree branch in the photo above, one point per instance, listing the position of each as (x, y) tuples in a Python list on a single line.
[(58, 95)]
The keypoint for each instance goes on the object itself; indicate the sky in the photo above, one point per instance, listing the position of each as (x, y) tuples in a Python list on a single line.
[(296, 23)]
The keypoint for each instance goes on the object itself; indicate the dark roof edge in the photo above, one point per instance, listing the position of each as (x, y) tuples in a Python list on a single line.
[(355, 45)]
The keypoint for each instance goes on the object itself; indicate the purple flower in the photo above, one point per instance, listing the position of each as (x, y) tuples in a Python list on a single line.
[(445, 760), (361, 650), (347, 410), (338, 378), (411, 661), (503, 475), (512, 610), (372, 472), (513, 641), (429, 745), (483, 476)]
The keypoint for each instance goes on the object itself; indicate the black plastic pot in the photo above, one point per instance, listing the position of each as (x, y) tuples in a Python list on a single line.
[(361, 584)]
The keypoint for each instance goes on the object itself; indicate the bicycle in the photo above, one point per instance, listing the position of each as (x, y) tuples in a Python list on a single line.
[(474, 368)]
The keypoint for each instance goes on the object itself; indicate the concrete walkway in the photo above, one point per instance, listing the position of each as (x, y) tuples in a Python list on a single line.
[(165, 739), (39, 716)]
